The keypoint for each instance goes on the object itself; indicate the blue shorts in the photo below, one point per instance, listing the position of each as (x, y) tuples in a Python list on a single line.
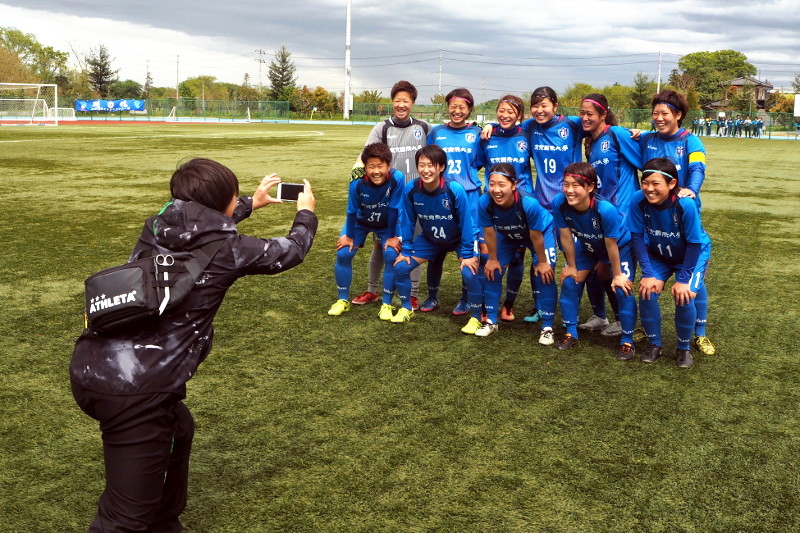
[(663, 270), (360, 235), (424, 248), (586, 261), (507, 248)]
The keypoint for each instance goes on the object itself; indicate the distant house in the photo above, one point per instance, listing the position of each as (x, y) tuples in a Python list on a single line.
[(760, 90)]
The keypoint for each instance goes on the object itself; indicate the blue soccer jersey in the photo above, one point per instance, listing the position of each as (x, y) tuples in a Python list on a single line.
[(374, 207), (554, 145), (684, 149), (602, 220), (615, 157), (464, 154), (671, 227), (515, 223), (512, 147), (444, 215)]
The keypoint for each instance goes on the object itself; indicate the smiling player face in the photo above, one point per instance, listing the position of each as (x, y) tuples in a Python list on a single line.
[(402, 105), (666, 119), (429, 172), (543, 111), (377, 170), (458, 109), (507, 115), (502, 190), (591, 119), (577, 192), (656, 189)]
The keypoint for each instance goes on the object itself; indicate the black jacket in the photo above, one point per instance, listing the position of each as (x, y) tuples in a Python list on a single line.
[(162, 355)]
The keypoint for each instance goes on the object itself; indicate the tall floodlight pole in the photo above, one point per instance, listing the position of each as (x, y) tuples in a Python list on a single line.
[(177, 77), (440, 72), (261, 61), (346, 103)]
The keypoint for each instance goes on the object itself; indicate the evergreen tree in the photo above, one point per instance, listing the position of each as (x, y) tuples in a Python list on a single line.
[(281, 75), (101, 75)]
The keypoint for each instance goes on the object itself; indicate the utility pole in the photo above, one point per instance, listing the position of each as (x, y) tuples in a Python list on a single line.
[(347, 97), (177, 78), (658, 85), (261, 61), (439, 91)]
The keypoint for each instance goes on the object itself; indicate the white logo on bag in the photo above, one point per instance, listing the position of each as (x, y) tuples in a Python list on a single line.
[(98, 303)]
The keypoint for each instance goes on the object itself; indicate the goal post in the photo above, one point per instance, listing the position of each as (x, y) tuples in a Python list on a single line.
[(29, 104)]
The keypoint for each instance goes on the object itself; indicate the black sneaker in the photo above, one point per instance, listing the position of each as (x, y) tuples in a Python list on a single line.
[(567, 342), (684, 359), (650, 354), (626, 352)]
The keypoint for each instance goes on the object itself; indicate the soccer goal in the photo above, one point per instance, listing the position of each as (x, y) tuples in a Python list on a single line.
[(62, 113), (28, 103)]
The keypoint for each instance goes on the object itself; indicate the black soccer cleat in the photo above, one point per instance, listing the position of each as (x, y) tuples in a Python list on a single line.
[(684, 359), (567, 342), (650, 354), (626, 352)]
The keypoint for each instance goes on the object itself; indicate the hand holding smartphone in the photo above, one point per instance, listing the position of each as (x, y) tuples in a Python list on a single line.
[(288, 192)]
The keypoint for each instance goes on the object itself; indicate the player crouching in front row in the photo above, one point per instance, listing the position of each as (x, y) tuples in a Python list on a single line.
[(373, 206), (443, 212), (591, 230), (676, 244)]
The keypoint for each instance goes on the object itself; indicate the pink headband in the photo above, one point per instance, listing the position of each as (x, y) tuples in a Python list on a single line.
[(601, 106), (460, 98)]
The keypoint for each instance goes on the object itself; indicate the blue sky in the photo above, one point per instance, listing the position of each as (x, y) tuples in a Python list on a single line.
[(489, 51)]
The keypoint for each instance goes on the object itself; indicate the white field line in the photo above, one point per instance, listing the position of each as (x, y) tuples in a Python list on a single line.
[(250, 134)]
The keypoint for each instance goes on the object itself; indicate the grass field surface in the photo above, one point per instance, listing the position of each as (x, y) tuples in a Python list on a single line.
[(307, 422)]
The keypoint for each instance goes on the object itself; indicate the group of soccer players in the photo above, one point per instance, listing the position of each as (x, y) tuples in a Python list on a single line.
[(417, 189)]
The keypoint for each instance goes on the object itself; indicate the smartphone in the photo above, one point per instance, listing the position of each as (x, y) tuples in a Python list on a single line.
[(288, 192)]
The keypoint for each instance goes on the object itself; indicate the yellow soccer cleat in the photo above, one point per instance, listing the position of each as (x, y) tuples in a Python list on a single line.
[(472, 326), (403, 315), (705, 345), (386, 312), (339, 307)]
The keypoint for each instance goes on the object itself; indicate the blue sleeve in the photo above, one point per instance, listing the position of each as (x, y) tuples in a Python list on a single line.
[(628, 147), (528, 125), (640, 250), (484, 218), (558, 218), (407, 219), (689, 262), (691, 226), (535, 214), (697, 163), (352, 209), (465, 220), (610, 220), (432, 135)]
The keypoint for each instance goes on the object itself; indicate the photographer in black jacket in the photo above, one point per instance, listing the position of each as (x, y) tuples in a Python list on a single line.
[(133, 382)]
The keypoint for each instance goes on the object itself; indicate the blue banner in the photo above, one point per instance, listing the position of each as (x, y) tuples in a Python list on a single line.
[(109, 105)]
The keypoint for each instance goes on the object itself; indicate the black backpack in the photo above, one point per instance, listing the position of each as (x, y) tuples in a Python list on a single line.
[(143, 289)]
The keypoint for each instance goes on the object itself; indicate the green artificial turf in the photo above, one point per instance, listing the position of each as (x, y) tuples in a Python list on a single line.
[(307, 422)]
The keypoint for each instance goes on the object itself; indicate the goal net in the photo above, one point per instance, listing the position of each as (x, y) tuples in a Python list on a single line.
[(29, 103)]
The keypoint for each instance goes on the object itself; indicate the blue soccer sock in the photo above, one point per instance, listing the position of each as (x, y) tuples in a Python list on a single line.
[(472, 283), (570, 300), (343, 271), (491, 292), (685, 317), (389, 257), (434, 276), (596, 294), (626, 315), (546, 296), (650, 313), (402, 281), (701, 305), (516, 271)]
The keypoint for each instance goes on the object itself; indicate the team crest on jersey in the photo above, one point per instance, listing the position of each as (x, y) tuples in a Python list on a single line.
[(595, 223), (604, 146), (522, 146), (446, 203), (563, 133), (675, 219), (470, 137), (679, 151), (417, 134)]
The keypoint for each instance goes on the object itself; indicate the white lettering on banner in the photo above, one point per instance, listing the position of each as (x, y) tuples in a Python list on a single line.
[(102, 302)]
